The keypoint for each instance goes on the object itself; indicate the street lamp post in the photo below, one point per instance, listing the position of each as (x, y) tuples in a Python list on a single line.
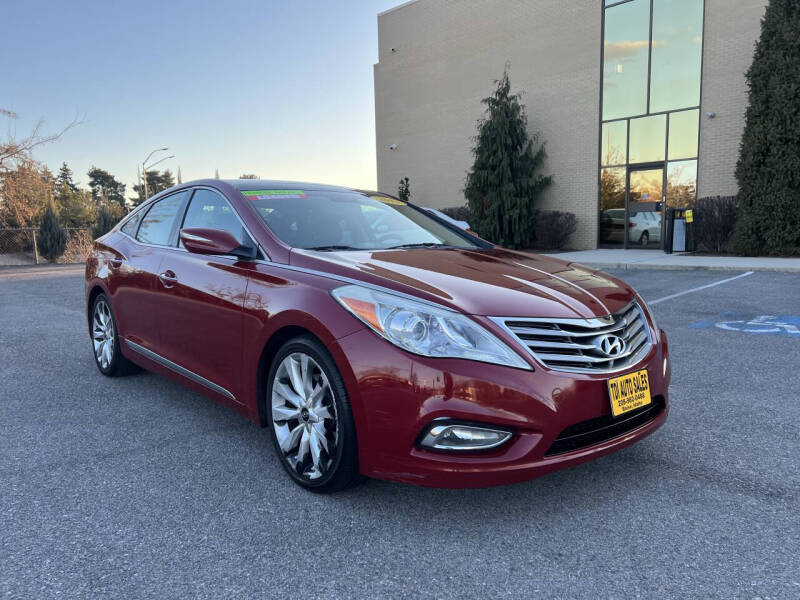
[(144, 170)]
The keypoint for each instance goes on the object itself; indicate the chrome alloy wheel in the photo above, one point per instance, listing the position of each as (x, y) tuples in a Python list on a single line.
[(103, 334), (304, 415)]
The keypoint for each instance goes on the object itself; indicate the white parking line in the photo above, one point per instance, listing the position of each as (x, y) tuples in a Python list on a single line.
[(697, 289)]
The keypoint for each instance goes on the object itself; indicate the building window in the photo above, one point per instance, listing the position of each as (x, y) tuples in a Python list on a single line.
[(652, 52), (648, 139), (677, 51), (683, 128)]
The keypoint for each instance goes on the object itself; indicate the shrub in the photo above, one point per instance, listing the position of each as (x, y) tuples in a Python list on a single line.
[(714, 222), (459, 213), (404, 189), (79, 244), (52, 239), (768, 171), (503, 184), (552, 228)]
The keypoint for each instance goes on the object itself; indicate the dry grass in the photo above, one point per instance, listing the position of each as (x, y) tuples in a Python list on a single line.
[(79, 243)]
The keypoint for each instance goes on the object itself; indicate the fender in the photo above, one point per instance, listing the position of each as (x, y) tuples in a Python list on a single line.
[(300, 298)]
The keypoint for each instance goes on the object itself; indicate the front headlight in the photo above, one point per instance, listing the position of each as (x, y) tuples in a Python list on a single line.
[(649, 312), (425, 329)]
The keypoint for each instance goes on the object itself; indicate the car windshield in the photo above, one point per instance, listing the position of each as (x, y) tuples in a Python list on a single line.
[(343, 220)]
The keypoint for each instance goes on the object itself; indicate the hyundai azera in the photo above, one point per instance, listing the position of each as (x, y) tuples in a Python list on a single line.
[(371, 337)]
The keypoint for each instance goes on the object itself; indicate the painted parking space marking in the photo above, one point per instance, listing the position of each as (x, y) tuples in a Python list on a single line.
[(784, 325), (697, 289)]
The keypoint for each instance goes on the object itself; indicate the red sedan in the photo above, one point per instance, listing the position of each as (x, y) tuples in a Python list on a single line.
[(372, 337)]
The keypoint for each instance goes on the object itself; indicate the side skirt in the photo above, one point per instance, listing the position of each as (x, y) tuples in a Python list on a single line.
[(164, 362)]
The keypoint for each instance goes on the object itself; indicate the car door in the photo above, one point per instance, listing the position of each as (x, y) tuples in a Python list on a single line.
[(201, 312), (135, 273)]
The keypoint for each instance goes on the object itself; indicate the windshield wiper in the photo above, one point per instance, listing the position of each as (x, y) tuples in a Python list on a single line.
[(420, 245), (331, 248)]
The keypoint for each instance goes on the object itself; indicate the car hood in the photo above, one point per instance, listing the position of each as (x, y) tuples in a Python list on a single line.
[(492, 282)]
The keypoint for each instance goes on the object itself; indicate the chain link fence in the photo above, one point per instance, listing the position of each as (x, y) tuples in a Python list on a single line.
[(19, 246)]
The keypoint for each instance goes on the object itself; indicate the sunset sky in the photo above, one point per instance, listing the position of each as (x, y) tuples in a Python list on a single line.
[(280, 89)]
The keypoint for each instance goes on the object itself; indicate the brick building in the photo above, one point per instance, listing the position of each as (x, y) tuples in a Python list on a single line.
[(641, 102)]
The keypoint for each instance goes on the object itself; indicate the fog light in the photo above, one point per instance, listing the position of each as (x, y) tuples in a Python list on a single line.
[(463, 437)]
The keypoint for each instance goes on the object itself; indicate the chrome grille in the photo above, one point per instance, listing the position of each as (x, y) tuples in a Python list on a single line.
[(575, 344)]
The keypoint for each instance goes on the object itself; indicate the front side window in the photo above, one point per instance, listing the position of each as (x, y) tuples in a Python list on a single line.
[(331, 220), (158, 224), (209, 210)]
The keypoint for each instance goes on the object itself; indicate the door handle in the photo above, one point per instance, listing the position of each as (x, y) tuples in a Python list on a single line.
[(168, 279)]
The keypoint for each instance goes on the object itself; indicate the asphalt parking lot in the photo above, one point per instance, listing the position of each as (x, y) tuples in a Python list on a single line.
[(136, 487)]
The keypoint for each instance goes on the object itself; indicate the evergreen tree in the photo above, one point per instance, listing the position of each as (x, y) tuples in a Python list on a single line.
[(248, 176), (52, 238), (105, 221), (503, 184), (105, 186), (64, 178), (768, 171), (404, 189), (76, 208)]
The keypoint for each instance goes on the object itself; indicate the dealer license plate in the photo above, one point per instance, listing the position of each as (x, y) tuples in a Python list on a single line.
[(629, 392)]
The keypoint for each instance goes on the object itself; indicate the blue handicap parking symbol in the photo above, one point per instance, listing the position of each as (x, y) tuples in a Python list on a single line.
[(786, 325)]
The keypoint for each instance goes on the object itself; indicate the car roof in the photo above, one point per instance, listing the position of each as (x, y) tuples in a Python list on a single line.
[(277, 184), (376, 193)]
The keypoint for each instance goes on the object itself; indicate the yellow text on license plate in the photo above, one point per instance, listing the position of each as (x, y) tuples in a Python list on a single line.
[(629, 392)]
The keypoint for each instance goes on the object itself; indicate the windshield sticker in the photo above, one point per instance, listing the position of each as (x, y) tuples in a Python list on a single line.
[(273, 194), (387, 200)]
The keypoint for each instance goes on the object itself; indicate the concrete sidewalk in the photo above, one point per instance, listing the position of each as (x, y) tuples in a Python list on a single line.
[(656, 259)]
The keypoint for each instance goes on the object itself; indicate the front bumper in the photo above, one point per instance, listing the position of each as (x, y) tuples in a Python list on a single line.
[(395, 395)]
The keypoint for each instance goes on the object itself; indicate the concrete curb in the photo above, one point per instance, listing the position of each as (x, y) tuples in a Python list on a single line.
[(633, 259), (674, 267), (20, 272)]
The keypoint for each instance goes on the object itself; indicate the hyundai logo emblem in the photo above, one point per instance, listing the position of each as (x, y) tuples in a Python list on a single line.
[(610, 345)]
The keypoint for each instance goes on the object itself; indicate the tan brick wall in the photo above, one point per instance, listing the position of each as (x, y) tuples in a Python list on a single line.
[(731, 31), (448, 53)]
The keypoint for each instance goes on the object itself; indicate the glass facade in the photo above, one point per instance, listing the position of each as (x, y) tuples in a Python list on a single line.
[(652, 52)]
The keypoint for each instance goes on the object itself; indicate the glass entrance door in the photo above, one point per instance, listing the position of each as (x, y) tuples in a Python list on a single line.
[(645, 195)]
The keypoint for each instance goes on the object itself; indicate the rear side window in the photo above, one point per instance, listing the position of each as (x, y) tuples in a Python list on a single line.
[(131, 224), (209, 210), (158, 224)]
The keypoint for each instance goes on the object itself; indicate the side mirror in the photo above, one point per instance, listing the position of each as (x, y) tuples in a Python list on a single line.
[(215, 241)]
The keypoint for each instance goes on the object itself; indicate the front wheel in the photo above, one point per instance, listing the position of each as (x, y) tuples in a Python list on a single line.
[(312, 424)]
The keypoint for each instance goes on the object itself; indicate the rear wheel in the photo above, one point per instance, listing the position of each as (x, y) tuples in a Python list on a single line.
[(312, 424), (105, 341)]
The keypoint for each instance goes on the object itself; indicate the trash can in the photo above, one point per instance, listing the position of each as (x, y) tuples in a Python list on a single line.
[(679, 236)]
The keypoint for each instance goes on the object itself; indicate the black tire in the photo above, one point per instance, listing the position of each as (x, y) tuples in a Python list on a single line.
[(118, 365), (644, 239), (342, 471)]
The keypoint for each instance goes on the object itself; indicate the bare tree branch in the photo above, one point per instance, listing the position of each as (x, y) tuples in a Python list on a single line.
[(12, 150)]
